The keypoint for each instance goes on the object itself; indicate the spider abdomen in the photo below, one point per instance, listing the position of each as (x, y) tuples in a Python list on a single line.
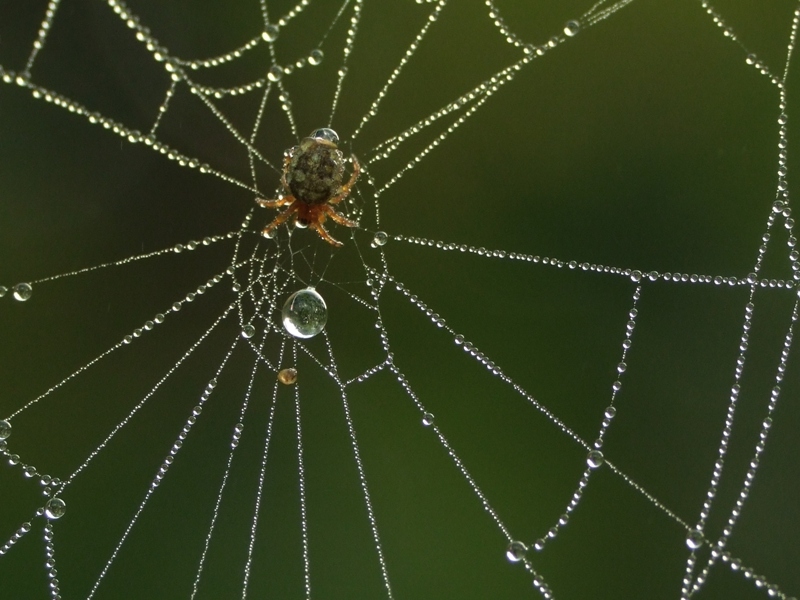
[(315, 171)]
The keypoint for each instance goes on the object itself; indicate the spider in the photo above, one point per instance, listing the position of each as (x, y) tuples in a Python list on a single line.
[(312, 178)]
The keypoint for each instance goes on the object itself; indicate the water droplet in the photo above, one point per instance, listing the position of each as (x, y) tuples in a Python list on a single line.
[(270, 33), (695, 539), (325, 133), (427, 419), (287, 376), (248, 331), (275, 73), (304, 315), (610, 412), (5, 430), (516, 551), (29, 471), (572, 28), (3, 290), (380, 238), (55, 508), (315, 57), (595, 459), (22, 291)]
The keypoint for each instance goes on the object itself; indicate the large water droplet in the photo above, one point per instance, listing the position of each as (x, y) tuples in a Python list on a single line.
[(427, 419), (275, 73), (23, 291), (315, 57), (287, 376), (595, 459), (304, 314), (248, 331), (5, 430), (55, 508), (325, 133), (695, 539), (572, 28), (516, 551), (380, 238), (270, 33)]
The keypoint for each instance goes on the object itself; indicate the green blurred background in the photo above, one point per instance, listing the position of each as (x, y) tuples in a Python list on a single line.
[(646, 142)]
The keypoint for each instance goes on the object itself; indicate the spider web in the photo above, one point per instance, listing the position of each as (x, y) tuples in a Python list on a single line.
[(574, 347)]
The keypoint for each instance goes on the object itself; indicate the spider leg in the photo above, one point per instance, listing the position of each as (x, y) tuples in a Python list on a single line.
[(280, 219), (345, 191), (286, 160), (338, 217), (323, 233), (275, 203)]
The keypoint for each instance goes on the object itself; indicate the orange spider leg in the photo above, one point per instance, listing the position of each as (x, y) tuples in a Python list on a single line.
[(338, 217), (286, 160), (275, 203), (323, 233), (280, 219), (347, 186)]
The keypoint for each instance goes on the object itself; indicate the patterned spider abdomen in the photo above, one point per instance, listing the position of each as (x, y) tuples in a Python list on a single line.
[(315, 171)]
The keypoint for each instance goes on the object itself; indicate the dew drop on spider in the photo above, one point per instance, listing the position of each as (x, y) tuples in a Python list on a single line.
[(325, 133), (304, 314)]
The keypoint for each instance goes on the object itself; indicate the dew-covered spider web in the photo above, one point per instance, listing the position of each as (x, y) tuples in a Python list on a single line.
[(557, 360)]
